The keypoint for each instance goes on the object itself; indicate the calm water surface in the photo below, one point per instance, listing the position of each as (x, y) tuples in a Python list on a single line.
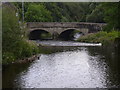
[(77, 67)]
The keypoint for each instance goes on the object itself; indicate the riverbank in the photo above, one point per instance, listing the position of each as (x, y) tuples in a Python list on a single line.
[(23, 50), (15, 44), (26, 60), (101, 37)]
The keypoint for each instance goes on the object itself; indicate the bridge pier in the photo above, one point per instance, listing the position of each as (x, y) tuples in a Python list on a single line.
[(55, 36)]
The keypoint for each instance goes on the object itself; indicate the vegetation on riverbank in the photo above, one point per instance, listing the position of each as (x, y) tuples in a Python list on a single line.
[(111, 31), (14, 44), (100, 37)]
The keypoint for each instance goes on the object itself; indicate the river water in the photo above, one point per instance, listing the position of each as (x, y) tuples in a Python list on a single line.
[(74, 67)]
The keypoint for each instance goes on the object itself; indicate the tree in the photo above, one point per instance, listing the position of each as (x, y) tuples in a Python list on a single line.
[(55, 11), (112, 14), (11, 33), (14, 44), (97, 15), (10, 27), (37, 13)]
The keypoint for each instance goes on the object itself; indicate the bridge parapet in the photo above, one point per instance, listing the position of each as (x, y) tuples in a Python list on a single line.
[(63, 25)]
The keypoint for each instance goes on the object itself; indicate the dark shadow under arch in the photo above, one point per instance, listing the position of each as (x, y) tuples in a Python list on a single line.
[(68, 34), (39, 35)]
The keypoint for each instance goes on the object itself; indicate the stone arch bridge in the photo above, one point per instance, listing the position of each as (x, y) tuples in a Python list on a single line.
[(59, 27)]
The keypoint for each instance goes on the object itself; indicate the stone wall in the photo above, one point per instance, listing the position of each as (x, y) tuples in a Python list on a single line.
[(63, 24)]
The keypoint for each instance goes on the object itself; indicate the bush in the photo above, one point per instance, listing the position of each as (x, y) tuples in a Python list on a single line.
[(15, 47), (100, 37), (8, 57)]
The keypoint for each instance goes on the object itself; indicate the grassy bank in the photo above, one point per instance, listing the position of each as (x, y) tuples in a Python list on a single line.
[(100, 37)]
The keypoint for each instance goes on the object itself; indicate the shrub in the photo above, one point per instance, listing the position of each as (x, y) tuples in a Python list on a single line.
[(101, 37), (15, 47), (8, 57)]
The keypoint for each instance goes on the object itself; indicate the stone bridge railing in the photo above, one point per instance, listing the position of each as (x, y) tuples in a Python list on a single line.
[(63, 24)]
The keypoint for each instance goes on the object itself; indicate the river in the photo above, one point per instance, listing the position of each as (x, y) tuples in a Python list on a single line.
[(84, 65)]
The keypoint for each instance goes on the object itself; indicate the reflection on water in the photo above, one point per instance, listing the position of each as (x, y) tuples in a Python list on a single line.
[(111, 57), (83, 67)]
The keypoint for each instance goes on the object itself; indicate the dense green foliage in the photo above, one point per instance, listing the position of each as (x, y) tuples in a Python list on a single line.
[(73, 12), (61, 12), (36, 13), (112, 15), (100, 37), (97, 15), (14, 45)]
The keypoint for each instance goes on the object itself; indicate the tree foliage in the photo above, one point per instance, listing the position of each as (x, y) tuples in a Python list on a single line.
[(97, 15), (37, 13), (10, 28), (112, 14), (14, 46), (57, 12)]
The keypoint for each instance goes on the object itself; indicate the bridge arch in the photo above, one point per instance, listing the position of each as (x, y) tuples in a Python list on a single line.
[(68, 34), (82, 30), (39, 34), (41, 29)]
